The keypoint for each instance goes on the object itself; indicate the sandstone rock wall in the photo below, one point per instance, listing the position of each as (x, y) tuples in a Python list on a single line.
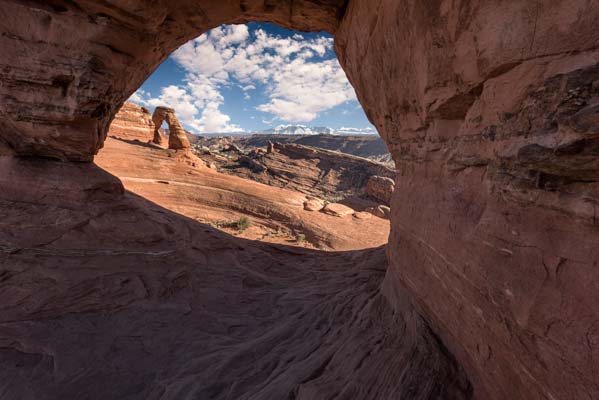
[(67, 66), (487, 108), (132, 122), (381, 188)]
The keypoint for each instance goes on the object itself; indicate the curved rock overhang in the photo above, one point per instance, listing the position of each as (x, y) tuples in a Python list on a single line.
[(69, 65), (489, 107)]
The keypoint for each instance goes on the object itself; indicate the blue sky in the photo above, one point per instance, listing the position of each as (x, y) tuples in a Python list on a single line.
[(253, 77)]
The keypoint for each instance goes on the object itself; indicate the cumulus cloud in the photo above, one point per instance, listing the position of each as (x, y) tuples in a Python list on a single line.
[(300, 77)]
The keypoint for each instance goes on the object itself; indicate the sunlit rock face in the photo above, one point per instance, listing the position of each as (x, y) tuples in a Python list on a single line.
[(132, 122), (177, 138), (488, 107)]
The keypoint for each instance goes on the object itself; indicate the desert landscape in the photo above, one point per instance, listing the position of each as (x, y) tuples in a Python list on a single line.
[(455, 256)]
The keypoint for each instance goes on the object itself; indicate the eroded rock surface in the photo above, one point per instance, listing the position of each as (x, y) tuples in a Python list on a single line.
[(111, 298), (329, 175), (488, 108), (381, 188), (177, 137), (180, 181), (133, 122), (494, 227)]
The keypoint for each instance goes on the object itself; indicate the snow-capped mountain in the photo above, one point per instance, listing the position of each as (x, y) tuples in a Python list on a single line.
[(314, 130), (299, 130)]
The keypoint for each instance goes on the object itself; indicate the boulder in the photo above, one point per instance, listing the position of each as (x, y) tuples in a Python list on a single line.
[(380, 211), (380, 188), (338, 210), (313, 204)]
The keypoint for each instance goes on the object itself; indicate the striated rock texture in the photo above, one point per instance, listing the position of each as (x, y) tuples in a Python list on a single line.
[(177, 137), (178, 181), (486, 107), (133, 122), (366, 146), (326, 174), (68, 66), (489, 108), (381, 188), (120, 298)]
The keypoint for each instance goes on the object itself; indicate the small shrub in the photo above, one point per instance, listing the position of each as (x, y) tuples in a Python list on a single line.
[(300, 237), (243, 223)]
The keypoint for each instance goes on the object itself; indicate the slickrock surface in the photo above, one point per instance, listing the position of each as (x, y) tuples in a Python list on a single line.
[(109, 296), (488, 108), (179, 181), (132, 122)]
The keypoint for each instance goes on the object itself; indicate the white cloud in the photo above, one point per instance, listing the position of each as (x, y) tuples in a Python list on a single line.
[(179, 99), (213, 120), (301, 77), (139, 97)]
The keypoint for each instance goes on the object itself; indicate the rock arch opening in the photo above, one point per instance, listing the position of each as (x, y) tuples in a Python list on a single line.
[(489, 109), (177, 138), (270, 106)]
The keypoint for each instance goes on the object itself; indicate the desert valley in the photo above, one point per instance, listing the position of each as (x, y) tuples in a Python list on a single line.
[(282, 193)]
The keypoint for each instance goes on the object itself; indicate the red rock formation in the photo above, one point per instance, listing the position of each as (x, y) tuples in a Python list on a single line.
[(381, 188), (177, 137), (101, 53), (488, 107), (173, 180), (494, 229), (132, 122), (325, 174)]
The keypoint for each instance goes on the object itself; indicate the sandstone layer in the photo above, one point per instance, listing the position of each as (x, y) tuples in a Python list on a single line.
[(106, 295), (366, 146), (489, 108), (132, 122), (326, 174), (180, 182), (177, 137), (486, 108)]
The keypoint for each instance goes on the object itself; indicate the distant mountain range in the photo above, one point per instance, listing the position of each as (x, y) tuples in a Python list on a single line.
[(300, 130), (314, 130)]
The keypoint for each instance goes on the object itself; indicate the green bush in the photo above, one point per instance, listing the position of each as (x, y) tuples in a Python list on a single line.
[(300, 237), (243, 223)]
